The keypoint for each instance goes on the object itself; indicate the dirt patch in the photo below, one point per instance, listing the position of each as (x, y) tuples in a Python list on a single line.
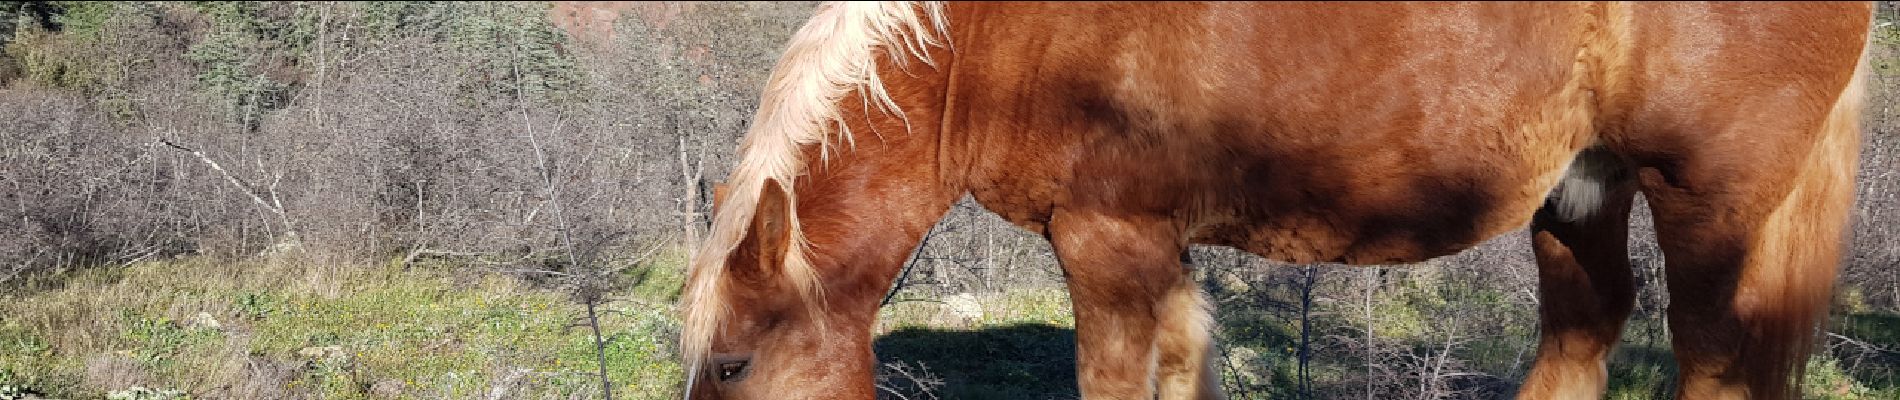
[(592, 22)]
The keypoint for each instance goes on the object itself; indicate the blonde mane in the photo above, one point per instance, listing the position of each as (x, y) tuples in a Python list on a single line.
[(832, 56)]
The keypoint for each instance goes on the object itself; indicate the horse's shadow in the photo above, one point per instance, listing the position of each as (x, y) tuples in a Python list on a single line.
[(1027, 361)]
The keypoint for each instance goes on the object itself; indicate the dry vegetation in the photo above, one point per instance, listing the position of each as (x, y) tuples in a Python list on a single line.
[(425, 200)]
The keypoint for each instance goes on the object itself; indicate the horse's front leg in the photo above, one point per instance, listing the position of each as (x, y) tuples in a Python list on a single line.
[(1140, 320)]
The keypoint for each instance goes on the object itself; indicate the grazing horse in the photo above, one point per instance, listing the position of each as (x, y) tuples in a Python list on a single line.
[(1341, 132)]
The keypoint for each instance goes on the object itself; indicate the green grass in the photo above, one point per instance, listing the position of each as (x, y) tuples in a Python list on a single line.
[(308, 330), (1021, 347), (1876, 370), (1048, 306), (1640, 370), (333, 332)]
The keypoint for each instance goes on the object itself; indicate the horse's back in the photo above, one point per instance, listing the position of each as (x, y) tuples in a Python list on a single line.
[(1345, 132)]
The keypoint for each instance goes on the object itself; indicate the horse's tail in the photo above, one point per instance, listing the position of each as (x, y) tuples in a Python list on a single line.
[(1829, 183)]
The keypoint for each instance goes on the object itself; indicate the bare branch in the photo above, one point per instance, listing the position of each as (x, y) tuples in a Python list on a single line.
[(273, 206)]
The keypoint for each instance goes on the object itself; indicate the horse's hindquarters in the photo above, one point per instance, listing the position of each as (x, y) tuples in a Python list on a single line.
[(1745, 143)]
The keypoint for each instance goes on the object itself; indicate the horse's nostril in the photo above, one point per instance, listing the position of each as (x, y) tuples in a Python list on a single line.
[(732, 369)]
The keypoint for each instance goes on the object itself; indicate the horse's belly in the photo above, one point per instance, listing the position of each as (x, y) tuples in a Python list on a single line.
[(1395, 218), (1371, 189)]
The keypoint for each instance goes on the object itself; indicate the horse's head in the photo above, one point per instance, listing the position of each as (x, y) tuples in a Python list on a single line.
[(756, 322)]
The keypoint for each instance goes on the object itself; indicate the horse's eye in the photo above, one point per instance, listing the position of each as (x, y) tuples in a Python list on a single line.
[(732, 370)]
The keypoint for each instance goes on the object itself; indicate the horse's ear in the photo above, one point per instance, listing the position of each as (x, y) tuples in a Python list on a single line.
[(770, 232), (719, 195)]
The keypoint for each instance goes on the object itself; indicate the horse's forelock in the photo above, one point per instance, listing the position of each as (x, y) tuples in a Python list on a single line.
[(829, 58)]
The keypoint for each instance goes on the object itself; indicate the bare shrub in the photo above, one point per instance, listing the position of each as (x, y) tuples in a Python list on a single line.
[(898, 380)]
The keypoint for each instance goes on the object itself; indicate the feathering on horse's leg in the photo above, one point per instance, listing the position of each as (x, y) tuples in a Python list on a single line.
[(1185, 345)]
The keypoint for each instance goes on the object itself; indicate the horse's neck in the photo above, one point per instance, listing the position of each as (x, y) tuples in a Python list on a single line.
[(865, 205)]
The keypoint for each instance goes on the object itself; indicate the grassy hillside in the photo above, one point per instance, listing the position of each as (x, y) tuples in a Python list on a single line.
[(292, 329), (404, 199)]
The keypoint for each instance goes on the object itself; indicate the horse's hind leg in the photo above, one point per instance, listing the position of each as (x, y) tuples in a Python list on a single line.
[(1752, 231), (1585, 287), (1139, 319)]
